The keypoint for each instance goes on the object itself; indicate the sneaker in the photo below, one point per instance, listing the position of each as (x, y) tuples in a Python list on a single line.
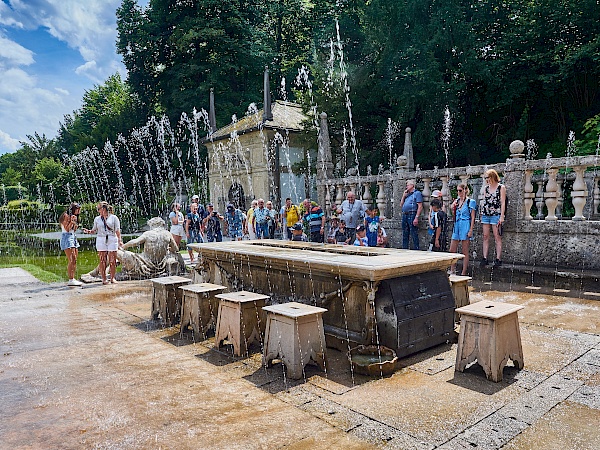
[(497, 263), (484, 262), (74, 283)]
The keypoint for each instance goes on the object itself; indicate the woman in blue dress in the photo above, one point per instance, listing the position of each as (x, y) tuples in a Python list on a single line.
[(464, 224)]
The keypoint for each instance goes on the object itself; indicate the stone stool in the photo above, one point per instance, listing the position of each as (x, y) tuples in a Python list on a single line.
[(294, 333), (166, 298), (199, 307), (240, 320), (460, 290), (489, 333)]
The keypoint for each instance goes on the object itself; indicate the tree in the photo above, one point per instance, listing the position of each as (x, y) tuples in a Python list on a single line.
[(107, 110)]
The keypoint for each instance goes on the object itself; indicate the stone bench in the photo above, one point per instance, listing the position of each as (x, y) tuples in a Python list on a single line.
[(294, 333), (489, 333), (167, 298), (460, 290), (199, 307), (240, 320)]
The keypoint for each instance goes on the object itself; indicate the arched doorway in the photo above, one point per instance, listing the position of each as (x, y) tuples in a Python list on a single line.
[(236, 196)]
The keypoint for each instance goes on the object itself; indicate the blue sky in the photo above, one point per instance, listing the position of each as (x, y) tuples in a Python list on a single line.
[(51, 52)]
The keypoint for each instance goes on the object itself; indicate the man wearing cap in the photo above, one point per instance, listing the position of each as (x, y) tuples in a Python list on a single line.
[(298, 233), (212, 223), (353, 212), (291, 215), (234, 219), (412, 205), (193, 223), (361, 237), (430, 223)]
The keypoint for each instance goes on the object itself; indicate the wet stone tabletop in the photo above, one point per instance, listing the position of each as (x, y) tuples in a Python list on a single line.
[(87, 368)]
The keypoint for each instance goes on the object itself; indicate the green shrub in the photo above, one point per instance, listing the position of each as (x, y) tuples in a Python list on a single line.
[(13, 192)]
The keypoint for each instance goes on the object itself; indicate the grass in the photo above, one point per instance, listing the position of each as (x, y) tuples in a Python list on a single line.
[(50, 266)]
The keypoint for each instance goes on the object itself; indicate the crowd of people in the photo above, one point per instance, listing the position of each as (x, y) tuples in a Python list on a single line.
[(351, 223)]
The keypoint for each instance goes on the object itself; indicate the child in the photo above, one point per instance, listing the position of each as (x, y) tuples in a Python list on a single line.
[(372, 226), (333, 228), (439, 221), (298, 233), (382, 239), (341, 236), (361, 238)]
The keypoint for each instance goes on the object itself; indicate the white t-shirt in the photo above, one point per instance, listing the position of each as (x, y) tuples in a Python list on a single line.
[(179, 216), (112, 225)]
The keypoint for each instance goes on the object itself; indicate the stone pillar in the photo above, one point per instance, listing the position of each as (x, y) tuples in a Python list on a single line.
[(408, 150), (324, 161), (551, 194), (528, 196), (579, 193), (426, 195)]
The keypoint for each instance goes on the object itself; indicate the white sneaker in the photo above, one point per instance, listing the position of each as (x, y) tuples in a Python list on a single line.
[(74, 283)]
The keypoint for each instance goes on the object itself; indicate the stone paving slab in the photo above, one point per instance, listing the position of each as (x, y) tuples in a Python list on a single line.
[(87, 368), (16, 275)]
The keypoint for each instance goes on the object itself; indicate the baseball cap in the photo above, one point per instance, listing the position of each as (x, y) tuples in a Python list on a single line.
[(297, 226), (209, 204), (230, 206), (360, 228), (194, 196), (436, 193)]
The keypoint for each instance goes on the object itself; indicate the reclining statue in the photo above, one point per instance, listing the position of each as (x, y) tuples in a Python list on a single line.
[(159, 257)]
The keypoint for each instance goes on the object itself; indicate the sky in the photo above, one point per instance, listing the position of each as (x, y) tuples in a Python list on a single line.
[(51, 52)]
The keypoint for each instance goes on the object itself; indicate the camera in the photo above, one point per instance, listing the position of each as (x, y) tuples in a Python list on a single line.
[(214, 214)]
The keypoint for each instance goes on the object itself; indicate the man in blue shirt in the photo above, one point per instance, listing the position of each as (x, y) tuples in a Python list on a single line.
[(261, 218), (412, 205)]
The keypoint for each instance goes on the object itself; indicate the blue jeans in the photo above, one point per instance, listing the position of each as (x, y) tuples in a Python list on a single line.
[(262, 230), (409, 229)]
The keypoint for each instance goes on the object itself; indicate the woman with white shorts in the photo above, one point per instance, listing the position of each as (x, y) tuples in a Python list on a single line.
[(108, 239), (177, 222)]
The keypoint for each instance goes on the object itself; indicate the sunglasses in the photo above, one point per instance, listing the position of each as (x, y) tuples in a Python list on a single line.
[(459, 190)]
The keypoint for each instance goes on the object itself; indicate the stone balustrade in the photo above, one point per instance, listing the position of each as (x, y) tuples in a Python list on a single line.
[(547, 197)]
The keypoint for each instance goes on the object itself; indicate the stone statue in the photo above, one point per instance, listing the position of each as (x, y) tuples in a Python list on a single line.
[(159, 257)]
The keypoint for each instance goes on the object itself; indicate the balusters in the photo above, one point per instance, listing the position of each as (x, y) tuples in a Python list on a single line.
[(539, 200), (426, 195), (551, 194), (596, 193), (381, 199), (579, 193), (559, 197), (327, 201), (367, 198), (339, 197), (481, 195), (446, 191), (528, 196)]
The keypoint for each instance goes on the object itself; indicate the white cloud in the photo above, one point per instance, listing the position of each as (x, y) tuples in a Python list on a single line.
[(33, 99), (87, 26), (8, 143), (14, 54)]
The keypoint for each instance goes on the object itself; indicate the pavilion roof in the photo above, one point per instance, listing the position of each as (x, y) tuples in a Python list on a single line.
[(286, 116)]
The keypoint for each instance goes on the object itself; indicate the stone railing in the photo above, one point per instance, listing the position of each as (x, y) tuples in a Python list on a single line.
[(552, 216)]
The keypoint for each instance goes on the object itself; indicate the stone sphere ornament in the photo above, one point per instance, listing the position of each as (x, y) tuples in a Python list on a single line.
[(516, 149)]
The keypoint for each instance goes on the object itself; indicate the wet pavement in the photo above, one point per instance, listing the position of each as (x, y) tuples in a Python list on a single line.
[(86, 368)]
